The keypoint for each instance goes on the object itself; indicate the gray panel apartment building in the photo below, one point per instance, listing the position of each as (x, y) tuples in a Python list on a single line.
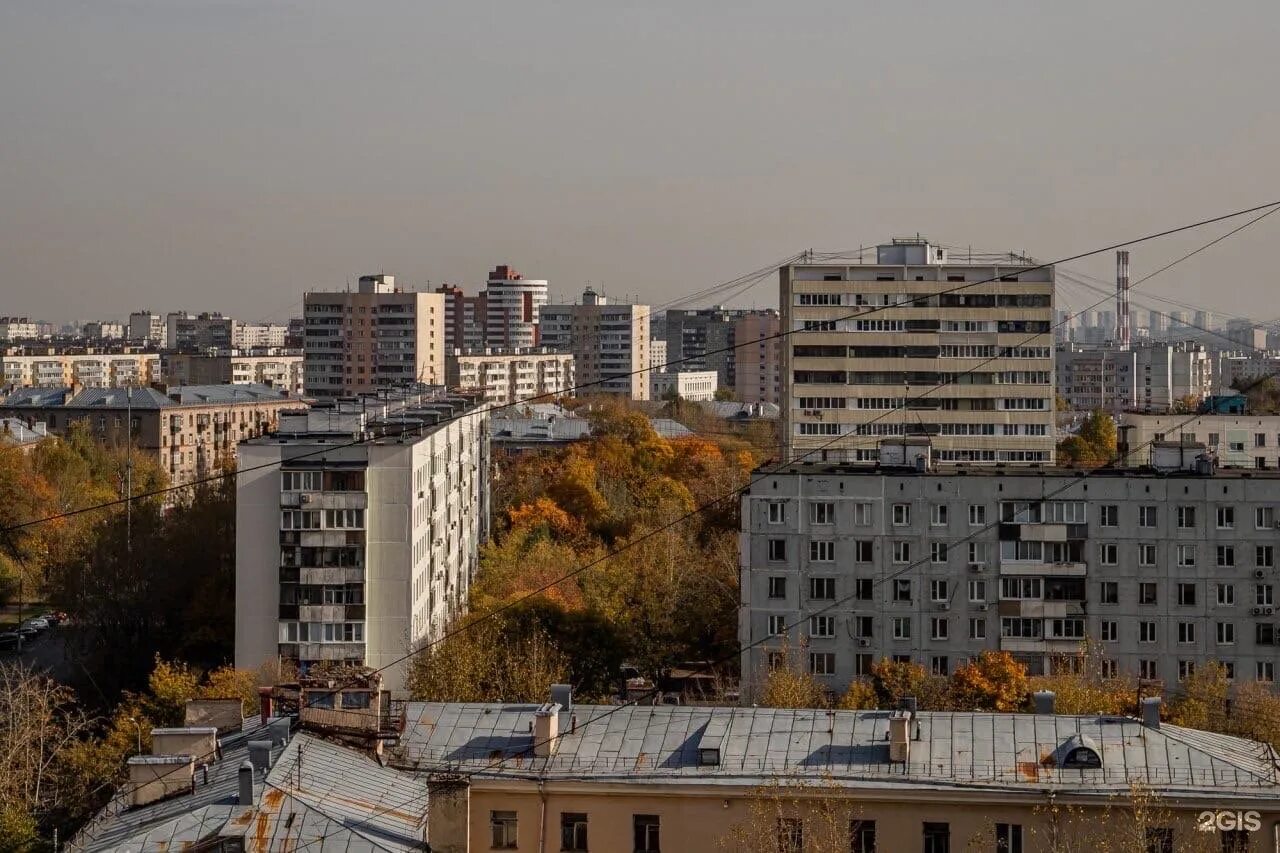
[(1165, 569)]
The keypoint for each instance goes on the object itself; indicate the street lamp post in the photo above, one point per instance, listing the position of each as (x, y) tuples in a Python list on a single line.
[(134, 720)]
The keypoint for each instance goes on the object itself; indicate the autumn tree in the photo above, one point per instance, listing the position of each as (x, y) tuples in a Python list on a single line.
[(994, 681), (895, 680), (485, 660), (1081, 685), (1093, 444)]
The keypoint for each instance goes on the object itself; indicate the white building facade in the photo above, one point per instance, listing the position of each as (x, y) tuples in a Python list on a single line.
[(696, 385), (512, 306), (609, 342), (88, 370), (507, 378)]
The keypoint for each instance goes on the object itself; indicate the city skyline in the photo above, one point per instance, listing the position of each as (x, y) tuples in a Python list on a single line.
[(160, 163)]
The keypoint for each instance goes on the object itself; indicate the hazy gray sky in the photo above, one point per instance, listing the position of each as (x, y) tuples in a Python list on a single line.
[(228, 154)]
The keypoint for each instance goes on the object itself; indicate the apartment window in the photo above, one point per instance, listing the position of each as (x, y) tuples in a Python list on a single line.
[(1264, 517), (344, 519), (1008, 838), (1027, 629), (1110, 631), (822, 589), (573, 832), (647, 833), (977, 629), (938, 665), (1146, 516), (822, 513), (1226, 517), (1186, 594), (977, 591), (863, 549), (1146, 555), (938, 515), (1146, 632), (822, 663), (502, 826), (939, 628), (901, 515), (863, 589), (1159, 839), (1109, 592), (1109, 515), (1226, 556), (977, 553), (1226, 595), (937, 837), (1264, 557), (1147, 669), (301, 481), (1259, 439), (1021, 588), (1186, 556), (777, 587), (1264, 634), (1186, 632), (862, 515), (777, 512), (977, 515), (822, 626), (777, 550), (777, 625), (862, 836), (902, 552), (902, 589), (937, 552), (1110, 669), (1108, 553), (1186, 517), (821, 551), (902, 627), (1263, 595), (1226, 633), (863, 626), (1264, 670), (790, 835)]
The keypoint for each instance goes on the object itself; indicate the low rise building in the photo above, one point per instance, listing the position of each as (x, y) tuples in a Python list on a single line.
[(1150, 377), (88, 367), (18, 329), (507, 377), (275, 368), (1165, 568), (358, 529), (696, 385), (190, 430), (1237, 441)]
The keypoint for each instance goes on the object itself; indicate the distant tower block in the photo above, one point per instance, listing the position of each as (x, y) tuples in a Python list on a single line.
[(1123, 331)]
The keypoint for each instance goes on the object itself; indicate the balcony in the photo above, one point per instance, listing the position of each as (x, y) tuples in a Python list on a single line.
[(1018, 567), (289, 611)]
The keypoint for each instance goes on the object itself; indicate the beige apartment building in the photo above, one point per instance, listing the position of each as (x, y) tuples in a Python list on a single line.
[(1236, 441), (609, 342), (275, 368), (190, 430), (917, 344), (511, 377), (758, 358), (50, 367), (372, 338)]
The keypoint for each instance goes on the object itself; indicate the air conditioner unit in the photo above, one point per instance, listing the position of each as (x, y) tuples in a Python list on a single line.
[(864, 642), (1257, 611), (306, 499), (975, 567), (980, 606), (1267, 611), (1259, 574)]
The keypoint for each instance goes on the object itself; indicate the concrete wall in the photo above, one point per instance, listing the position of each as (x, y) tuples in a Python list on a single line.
[(257, 556)]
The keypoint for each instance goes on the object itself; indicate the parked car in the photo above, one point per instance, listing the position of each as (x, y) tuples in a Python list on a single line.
[(27, 634), (37, 624)]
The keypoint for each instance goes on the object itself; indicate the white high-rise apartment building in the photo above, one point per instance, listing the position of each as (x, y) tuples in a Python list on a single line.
[(512, 304), (609, 342), (146, 327), (376, 337), (505, 378), (18, 329), (358, 528), (904, 347)]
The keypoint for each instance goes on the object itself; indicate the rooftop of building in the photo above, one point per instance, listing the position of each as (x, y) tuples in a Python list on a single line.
[(144, 398), (1032, 470), (392, 417), (948, 750)]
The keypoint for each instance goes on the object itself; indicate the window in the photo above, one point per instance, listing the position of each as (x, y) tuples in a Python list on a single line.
[(790, 835), (1186, 517), (777, 625), (977, 515), (1147, 669), (1264, 557), (301, 481), (977, 552), (1021, 588), (1226, 556), (1147, 516), (1108, 553), (1226, 594), (1264, 518), (777, 550), (777, 512), (977, 591), (863, 589), (647, 833), (300, 519), (502, 825), (937, 837), (822, 589), (902, 589), (1264, 670), (902, 552), (863, 550), (1029, 629), (1264, 634), (1186, 556), (1263, 595), (1146, 632), (822, 663), (822, 513), (938, 590), (822, 551), (862, 836), (937, 552), (1226, 517), (822, 626), (902, 627), (1109, 592), (1226, 633), (1186, 669), (862, 515), (1109, 515), (901, 515), (1146, 555), (1110, 631), (938, 665), (1186, 594), (1186, 632), (939, 628), (344, 519), (573, 832), (938, 515), (1008, 838), (777, 587), (1259, 439)]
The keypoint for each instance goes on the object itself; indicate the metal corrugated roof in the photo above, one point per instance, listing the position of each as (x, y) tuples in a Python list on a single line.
[(144, 398), (642, 743)]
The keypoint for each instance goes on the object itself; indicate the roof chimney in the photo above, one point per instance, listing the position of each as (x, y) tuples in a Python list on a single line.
[(260, 755), (1042, 700), (546, 730), (1151, 712), (266, 702), (245, 778), (900, 737)]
